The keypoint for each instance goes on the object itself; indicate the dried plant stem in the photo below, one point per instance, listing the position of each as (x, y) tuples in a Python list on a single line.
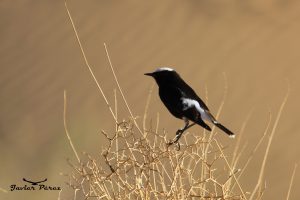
[(257, 145), (116, 103), (291, 182), (70, 140), (251, 155), (66, 128), (212, 133), (268, 146), (238, 143), (146, 109), (87, 63), (231, 171), (120, 90), (236, 155)]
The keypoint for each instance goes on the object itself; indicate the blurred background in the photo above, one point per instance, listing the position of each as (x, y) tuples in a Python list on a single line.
[(255, 43)]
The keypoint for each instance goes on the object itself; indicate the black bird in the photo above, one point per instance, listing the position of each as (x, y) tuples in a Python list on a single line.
[(182, 101)]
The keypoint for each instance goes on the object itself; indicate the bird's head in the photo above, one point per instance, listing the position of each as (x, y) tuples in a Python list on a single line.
[(163, 75)]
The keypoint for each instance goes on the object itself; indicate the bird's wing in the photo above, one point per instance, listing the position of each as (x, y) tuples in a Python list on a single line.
[(191, 94), (184, 103), (193, 111)]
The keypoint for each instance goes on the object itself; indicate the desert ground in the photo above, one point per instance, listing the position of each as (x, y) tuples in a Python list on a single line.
[(254, 43)]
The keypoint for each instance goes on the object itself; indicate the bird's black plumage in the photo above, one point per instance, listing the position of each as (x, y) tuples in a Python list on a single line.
[(182, 101)]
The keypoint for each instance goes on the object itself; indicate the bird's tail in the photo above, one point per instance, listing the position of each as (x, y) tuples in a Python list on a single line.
[(223, 128)]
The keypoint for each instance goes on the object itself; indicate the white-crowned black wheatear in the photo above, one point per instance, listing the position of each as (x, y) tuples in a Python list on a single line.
[(182, 101)]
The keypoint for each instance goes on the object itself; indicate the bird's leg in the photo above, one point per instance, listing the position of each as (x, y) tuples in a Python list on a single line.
[(179, 132)]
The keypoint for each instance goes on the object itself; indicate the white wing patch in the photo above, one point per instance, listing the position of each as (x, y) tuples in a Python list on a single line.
[(189, 103), (164, 69)]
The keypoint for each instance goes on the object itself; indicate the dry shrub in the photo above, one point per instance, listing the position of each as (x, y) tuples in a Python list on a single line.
[(145, 167)]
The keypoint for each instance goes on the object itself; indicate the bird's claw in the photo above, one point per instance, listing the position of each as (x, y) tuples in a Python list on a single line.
[(175, 140)]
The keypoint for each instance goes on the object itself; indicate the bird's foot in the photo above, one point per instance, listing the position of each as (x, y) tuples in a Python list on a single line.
[(174, 142), (177, 137)]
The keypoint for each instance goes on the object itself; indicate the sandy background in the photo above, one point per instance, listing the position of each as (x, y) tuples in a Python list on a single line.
[(256, 43)]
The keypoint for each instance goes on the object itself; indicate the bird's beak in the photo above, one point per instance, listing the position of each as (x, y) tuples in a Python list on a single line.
[(148, 74)]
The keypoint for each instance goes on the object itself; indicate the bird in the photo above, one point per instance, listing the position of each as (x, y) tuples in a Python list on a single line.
[(183, 102)]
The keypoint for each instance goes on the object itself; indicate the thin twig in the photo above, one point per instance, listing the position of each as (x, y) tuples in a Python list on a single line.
[(291, 182), (240, 137), (146, 109), (87, 63), (231, 171), (66, 128), (120, 90), (269, 145)]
